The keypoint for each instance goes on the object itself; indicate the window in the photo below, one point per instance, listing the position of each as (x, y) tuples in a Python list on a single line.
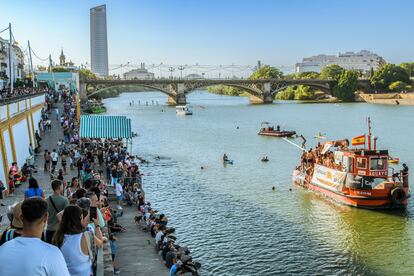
[(361, 163), (378, 163)]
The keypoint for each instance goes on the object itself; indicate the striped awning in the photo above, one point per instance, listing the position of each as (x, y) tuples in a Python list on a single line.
[(97, 126)]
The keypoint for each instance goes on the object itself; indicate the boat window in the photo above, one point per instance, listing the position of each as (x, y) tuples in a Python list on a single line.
[(378, 163), (361, 163)]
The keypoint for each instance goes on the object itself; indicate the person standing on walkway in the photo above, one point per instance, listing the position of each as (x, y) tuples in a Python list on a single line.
[(56, 203), (28, 255), (54, 156), (57, 113), (47, 158), (119, 191), (31, 152), (74, 241), (34, 189)]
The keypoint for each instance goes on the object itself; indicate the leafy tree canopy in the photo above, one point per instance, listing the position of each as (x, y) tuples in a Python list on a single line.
[(331, 72), (86, 74), (388, 74), (266, 72), (347, 85), (399, 86)]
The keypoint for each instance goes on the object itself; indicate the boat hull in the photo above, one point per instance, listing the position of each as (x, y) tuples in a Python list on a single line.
[(378, 199), (277, 133)]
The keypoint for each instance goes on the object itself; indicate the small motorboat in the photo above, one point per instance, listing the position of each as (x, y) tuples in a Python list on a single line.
[(183, 110), (265, 159), (269, 130)]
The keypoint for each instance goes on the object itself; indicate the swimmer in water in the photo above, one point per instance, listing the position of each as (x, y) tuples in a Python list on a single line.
[(202, 167), (273, 188)]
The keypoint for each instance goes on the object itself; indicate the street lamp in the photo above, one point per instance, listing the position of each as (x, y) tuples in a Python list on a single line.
[(181, 68), (171, 69)]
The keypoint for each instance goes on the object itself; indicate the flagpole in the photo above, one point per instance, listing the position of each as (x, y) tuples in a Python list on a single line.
[(369, 133)]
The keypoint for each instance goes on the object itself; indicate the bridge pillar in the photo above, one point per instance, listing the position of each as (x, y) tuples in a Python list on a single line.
[(265, 97), (83, 92), (179, 99)]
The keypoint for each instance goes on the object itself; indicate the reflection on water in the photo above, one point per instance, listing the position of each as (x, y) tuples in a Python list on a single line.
[(230, 217)]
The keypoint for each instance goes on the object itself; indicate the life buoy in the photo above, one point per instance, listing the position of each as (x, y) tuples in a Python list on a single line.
[(398, 196)]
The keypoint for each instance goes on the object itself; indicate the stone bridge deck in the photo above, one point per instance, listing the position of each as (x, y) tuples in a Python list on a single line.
[(260, 90)]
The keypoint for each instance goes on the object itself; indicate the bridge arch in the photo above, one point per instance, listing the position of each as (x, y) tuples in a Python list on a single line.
[(324, 88), (251, 91), (165, 91)]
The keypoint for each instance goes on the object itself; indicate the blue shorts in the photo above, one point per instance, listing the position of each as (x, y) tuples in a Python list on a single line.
[(119, 198)]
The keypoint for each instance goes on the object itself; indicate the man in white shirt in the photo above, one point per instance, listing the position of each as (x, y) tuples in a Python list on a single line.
[(27, 254), (54, 156)]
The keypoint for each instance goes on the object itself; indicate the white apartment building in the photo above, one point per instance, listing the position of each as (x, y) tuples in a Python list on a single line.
[(139, 74), (361, 61), (17, 60)]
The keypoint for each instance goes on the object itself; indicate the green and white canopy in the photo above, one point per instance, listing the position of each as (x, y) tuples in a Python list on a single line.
[(98, 126)]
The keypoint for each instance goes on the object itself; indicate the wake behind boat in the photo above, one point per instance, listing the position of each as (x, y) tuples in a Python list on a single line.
[(268, 130), (358, 177)]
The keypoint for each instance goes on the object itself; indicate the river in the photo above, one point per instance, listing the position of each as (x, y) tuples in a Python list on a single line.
[(229, 216)]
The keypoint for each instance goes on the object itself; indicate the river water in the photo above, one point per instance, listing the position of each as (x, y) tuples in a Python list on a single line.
[(229, 216)]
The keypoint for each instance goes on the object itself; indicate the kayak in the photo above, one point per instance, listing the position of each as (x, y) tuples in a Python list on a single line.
[(394, 160)]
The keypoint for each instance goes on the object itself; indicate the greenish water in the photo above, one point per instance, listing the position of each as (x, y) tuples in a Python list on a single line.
[(230, 217)]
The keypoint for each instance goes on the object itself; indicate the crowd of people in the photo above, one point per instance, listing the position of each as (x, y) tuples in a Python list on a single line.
[(6, 93), (60, 233)]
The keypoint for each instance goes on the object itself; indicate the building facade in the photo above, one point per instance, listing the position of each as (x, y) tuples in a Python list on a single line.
[(99, 41), (362, 61), (139, 74), (17, 60)]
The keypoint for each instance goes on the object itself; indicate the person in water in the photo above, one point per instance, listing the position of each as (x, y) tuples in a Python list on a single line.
[(225, 157)]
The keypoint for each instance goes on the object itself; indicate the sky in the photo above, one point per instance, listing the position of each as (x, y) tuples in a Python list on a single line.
[(215, 32)]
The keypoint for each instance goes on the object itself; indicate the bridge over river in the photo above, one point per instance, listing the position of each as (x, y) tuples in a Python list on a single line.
[(261, 91)]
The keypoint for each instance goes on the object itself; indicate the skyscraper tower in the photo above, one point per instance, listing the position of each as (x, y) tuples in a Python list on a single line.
[(99, 41)]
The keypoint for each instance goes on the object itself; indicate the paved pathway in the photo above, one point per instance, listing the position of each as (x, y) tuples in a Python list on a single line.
[(136, 253), (49, 141)]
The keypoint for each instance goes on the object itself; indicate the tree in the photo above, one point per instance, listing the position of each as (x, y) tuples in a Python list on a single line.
[(346, 87), (409, 67), (331, 72), (85, 74), (388, 74), (60, 69), (266, 72), (399, 86), (307, 75)]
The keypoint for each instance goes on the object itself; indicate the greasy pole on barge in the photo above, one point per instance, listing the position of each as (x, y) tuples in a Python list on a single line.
[(358, 177)]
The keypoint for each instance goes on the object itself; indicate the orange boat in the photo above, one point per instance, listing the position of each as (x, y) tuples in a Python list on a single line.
[(358, 177)]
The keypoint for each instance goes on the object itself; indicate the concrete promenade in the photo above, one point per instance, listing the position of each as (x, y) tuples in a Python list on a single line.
[(49, 141), (136, 252)]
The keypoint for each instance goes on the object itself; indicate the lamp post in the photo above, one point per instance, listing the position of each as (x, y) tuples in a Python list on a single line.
[(171, 69), (181, 68)]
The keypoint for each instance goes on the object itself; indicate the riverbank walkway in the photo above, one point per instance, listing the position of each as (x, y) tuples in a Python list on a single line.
[(49, 142), (136, 254)]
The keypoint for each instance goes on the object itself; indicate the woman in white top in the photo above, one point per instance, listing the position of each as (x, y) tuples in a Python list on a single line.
[(74, 243)]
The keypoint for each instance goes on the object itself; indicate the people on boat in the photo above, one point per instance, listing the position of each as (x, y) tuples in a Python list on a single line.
[(225, 158), (277, 128), (404, 173), (265, 159)]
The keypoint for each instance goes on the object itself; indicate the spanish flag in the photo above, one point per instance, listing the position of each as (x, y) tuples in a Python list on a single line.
[(359, 140)]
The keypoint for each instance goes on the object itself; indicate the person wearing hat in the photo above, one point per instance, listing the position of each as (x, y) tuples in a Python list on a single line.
[(16, 227)]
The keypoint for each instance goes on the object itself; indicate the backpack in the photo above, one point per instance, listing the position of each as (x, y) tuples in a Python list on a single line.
[(9, 235)]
